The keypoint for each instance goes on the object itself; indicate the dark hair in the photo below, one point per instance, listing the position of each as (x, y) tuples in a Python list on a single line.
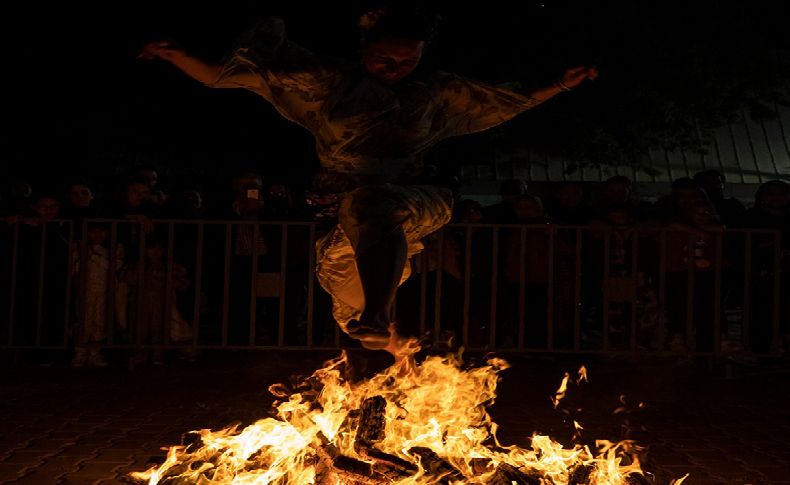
[(144, 167), (402, 22), (134, 180), (684, 183), (74, 181), (779, 184), (699, 176), (45, 193)]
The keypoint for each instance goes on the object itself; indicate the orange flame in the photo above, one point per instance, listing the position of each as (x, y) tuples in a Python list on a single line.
[(435, 404)]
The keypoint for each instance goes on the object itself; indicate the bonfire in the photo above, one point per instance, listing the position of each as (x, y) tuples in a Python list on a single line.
[(413, 423)]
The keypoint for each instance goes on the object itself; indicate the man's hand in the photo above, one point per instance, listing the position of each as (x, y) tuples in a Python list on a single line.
[(577, 75), (161, 49)]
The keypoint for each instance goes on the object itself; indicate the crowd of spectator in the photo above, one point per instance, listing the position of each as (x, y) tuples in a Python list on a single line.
[(139, 279)]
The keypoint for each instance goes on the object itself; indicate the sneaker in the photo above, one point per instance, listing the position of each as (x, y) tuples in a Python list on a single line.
[(371, 337)]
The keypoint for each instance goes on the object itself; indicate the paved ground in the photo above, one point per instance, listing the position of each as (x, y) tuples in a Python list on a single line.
[(86, 426)]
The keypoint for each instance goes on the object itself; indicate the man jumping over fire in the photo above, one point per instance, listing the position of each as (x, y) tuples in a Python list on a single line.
[(371, 120)]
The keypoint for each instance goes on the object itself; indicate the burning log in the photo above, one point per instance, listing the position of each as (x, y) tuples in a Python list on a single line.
[(370, 430), (388, 460), (436, 466), (353, 469), (372, 422), (509, 475), (637, 479)]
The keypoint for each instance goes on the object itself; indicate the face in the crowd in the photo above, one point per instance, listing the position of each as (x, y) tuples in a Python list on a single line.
[(150, 176), (702, 214), (155, 252), (527, 209), (685, 197), (137, 194), (774, 197), (472, 214), (97, 235), (21, 189), (247, 182), (389, 60), (617, 192), (47, 208), (713, 185), (193, 199), (80, 196), (277, 192)]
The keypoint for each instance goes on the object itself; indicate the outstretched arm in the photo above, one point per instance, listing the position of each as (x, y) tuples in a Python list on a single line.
[(294, 80), (470, 106), (570, 79), (198, 69)]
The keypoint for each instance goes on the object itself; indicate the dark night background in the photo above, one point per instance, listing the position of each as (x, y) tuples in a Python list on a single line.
[(76, 101)]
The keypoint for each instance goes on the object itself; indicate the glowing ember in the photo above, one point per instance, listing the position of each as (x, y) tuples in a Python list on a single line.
[(412, 423)]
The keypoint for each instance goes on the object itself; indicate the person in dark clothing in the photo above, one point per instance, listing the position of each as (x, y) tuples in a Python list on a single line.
[(712, 182), (502, 212)]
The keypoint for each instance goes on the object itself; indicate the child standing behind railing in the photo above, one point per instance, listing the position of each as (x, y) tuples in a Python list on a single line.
[(151, 288), (91, 329)]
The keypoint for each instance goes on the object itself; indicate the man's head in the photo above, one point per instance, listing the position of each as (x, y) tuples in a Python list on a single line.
[(712, 182), (570, 195), (773, 196), (527, 208), (394, 42), (702, 213), (79, 194), (147, 173), (137, 192), (97, 234), (620, 215), (468, 211), (46, 206), (617, 189), (248, 184), (685, 192)]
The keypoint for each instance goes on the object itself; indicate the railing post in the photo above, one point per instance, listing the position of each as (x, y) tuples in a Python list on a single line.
[(550, 294), (310, 284), (437, 311), (577, 292), (283, 270), (467, 285), (42, 255), (12, 296), (494, 283), (777, 310), (198, 285), (746, 308), (522, 287)]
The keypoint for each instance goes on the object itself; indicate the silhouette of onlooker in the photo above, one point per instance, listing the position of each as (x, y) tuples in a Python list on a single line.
[(502, 212)]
